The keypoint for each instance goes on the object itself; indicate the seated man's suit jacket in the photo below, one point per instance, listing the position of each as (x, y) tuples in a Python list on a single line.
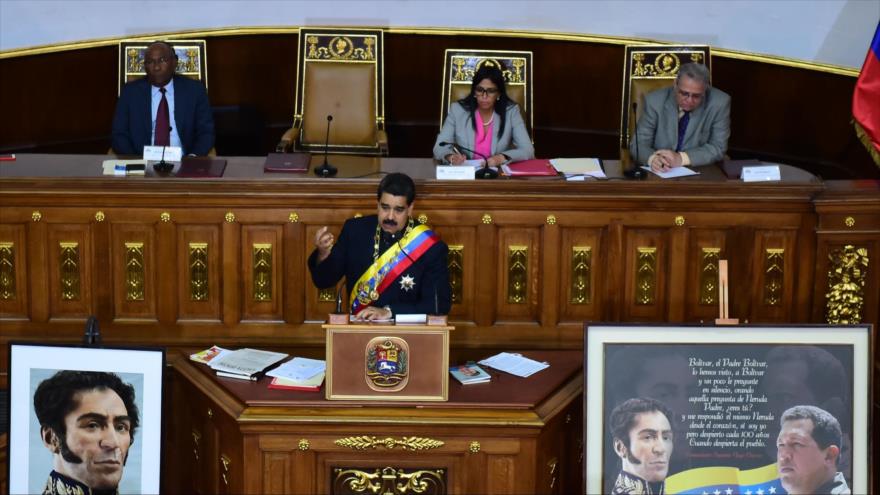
[(458, 128), (133, 120), (705, 140)]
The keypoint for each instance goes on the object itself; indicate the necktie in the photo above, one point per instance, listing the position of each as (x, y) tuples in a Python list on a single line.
[(163, 123), (682, 128)]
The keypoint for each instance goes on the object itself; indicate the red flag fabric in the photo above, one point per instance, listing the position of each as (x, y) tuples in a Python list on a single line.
[(866, 100)]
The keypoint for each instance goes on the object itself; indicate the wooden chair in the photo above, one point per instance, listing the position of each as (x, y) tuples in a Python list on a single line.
[(460, 65), (340, 74)]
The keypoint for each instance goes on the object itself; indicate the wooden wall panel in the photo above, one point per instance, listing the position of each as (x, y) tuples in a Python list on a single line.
[(199, 292), (14, 286), (71, 270), (581, 275), (646, 272), (261, 255), (705, 248), (134, 268), (518, 264), (774, 259)]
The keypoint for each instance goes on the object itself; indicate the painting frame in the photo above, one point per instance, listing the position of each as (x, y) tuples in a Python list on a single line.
[(129, 378), (610, 347)]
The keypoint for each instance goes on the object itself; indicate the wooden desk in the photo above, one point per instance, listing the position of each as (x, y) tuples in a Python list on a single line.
[(511, 435)]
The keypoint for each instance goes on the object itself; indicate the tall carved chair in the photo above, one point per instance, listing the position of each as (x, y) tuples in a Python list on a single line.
[(339, 74), (646, 68), (191, 60), (460, 65)]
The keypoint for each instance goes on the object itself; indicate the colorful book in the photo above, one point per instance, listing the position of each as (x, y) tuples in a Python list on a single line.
[(312, 384), (207, 355), (469, 374)]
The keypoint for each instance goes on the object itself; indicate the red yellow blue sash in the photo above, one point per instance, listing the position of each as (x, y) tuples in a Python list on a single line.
[(388, 267)]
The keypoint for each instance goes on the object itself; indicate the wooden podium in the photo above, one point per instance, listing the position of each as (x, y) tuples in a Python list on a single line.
[(376, 362)]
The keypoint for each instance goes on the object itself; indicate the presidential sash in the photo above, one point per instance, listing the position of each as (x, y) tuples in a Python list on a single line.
[(388, 267)]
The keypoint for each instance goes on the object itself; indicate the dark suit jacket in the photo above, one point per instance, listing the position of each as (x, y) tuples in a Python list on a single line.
[(705, 140), (353, 254), (133, 120)]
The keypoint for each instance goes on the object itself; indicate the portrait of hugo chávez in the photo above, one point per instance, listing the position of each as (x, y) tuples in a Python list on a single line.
[(88, 421), (642, 435)]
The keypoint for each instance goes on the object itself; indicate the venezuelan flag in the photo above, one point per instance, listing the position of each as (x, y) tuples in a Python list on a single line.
[(722, 480), (866, 100)]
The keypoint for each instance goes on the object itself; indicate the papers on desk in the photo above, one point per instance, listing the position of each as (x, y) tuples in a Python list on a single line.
[(514, 364), (475, 163), (245, 363), (673, 172), (579, 168), (298, 369)]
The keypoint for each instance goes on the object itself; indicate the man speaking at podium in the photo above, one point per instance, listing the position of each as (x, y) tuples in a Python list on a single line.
[(391, 264)]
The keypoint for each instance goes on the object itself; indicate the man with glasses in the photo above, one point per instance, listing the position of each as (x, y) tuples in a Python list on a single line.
[(685, 124), (163, 109)]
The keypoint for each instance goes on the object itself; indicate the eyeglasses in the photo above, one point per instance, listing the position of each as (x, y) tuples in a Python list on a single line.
[(692, 96), (156, 61), (481, 91)]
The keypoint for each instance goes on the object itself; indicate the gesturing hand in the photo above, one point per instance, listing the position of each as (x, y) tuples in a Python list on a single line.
[(324, 243)]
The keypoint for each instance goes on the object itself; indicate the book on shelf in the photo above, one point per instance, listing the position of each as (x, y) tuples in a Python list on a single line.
[(208, 354), (245, 362), (312, 384), (469, 374)]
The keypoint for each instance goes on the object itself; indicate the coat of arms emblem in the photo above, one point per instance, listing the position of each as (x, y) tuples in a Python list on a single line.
[(387, 364)]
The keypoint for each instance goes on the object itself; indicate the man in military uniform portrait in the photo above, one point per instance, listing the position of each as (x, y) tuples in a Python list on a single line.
[(641, 431), (87, 421), (391, 264)]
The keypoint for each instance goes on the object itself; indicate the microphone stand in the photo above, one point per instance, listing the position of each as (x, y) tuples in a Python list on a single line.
[(484, 173), (326, 170), (635, 172)]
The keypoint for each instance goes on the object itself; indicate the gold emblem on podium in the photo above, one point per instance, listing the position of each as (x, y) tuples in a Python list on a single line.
[(387, 364)]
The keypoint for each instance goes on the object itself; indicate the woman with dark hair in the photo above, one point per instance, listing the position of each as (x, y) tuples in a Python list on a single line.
[(487, 122)]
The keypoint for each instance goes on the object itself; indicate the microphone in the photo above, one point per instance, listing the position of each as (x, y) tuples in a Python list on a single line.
[(483, 173), (162, 166), (339, 301), (635, 172), (326, 170)]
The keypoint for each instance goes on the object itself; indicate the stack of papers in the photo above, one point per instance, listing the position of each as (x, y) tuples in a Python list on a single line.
[(245, 364), (299, 374), (468, 374), (514, 364), (579, 168), (673, 172)]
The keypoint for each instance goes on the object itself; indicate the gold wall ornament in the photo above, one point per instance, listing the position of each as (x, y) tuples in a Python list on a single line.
[(135, 275), (230, 217), (327, 295), (646, 275), (709, 275), (465, 66), (474, 447), (358, 215), (849, 221), (99, 216), (303, 444), (517, 274), (774, 272), (846, 284), (348, 47), (70, 276), (165, 217), (389, 481), (423, 219), (455, 262), (552, 465), (679, 220), (580, 291), (36, 216), (487, 219), (365, 442), (197, 438), (210, 413), (225, 463), (551, 220), (7, 271), (293, 217), (651, 64), (262, 269), (198, 271)]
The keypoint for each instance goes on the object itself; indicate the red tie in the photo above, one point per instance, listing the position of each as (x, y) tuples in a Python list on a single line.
[(163, 123)]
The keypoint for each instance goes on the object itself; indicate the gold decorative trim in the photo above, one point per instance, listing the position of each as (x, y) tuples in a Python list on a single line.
[(225, 463), (709, 275), (581, 290), (347, 47), (7, 271), (262, 278), (293, 217), (99, 216), (487, 219), (552, 465), (551, 220), (36, 216), (198, 271), (423, 219), (165, 217), (303, 444), (389, 481), (134, 271), (365, 442), (210, 413), (197, 439), (358, 215), (849, 221), (455, 262), (846, 284), (474, 447), (679, 221), (327, 295), (517, 274), (646, 275), (774, 272), (229, 217), (431, 31), (70, 276)]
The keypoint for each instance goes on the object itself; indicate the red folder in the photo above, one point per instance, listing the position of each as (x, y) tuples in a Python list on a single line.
[(538, 167), (287, 162), (304, 388), (201, 167)]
